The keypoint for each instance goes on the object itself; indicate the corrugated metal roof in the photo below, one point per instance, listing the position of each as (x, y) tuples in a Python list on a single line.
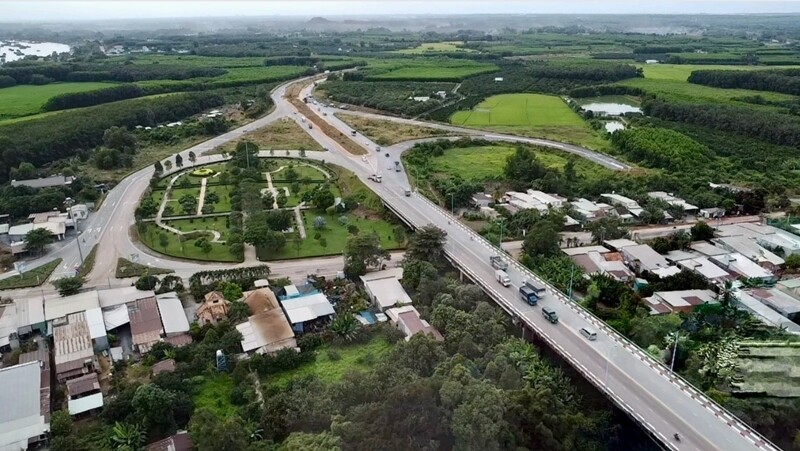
[(83, 384), (307, 308), (172, 315), (30, 311), (118, 296), (85, 404), (72, 340), (20, 417), (146, 325), (94, 318), (115, 317), (270, 330), (58, 307), (387, 292)]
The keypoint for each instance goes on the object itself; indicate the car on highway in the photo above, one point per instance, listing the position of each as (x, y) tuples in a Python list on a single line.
[(387, 155), (589, 334)]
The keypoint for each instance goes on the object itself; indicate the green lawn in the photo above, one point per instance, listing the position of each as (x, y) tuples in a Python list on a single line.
[(302, 170), (219, 252), (24, 100), (223, 191), (354, 357), (535, 115), (32, 277), (218, 223), (215, 395), (335, 234), (487, 162)]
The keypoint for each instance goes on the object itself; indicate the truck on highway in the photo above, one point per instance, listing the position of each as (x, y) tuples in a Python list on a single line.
[(550, 315), (502, 277), (497, 262), (375, 178), (397, 166), (352, 133), (528, 295), (310, 126), (536, 287), (407, 193)]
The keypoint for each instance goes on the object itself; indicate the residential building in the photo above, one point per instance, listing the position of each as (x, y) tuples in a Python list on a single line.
[(305, 310), (532, 200), (596, 263), (267, 330), (146, 328), (30, 316), (752, 250), (114, 297), (707, 269), (674, 201), (84, 395), (712, 213), (482, 200), (173, 318), (214, 308), (621, 201), (8, 327), (73, 349), (741, 265), (45, 182), (97, 329), (680, 255), (591, 210), (384, 289), (708, 249), (178, 442), (767, 236), (571, 251), (17, 233), (643, 258), (619, 244), (764, 313), (790, 286), (22, 424), (778, 300), (678, 301), (57, 307), (407, 320)]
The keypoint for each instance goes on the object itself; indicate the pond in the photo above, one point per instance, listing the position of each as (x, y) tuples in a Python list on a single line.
[(15, 50), (613, 126), (610, 105)]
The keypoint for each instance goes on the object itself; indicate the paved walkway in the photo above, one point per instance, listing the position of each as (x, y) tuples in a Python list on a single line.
[(298, 217), (202, 199)]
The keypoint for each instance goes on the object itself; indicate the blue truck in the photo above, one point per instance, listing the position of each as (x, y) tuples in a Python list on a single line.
[(531, 291)]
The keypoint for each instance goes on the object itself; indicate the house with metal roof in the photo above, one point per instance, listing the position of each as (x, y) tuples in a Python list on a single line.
[(22, 424), (739, 264), (304, 309), (45, 182), (752, 250), (41, 357), (97, 329), (384, 289), (84, 395), (407, 320), (707, 269), (267, 330), (113, 297), (678, 301), (146, 328), (56, 306), (642, 257), (73, 349), (673, 200), (173, 317), (777, 300)]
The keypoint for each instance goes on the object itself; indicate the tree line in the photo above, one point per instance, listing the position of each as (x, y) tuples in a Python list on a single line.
[(784, 81), (90, 98), (47, 139)]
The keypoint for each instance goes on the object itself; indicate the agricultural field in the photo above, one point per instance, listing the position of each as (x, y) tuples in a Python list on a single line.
[(487, 162), (385, 132), (436, 47), (25, 100), (535, 115), (279, 135), (685, 91), (681, 72), (427, 69)]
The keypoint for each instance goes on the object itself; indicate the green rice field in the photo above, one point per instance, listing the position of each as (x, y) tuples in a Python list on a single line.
[(24, 100)]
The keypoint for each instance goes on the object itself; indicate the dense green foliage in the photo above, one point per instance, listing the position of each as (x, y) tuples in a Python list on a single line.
[(82, 99), (785, 81), (395, 97), (661, 148), (41, 141)]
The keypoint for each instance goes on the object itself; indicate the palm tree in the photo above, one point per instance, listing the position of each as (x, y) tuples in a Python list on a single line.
[(127, 437), (345, 326)]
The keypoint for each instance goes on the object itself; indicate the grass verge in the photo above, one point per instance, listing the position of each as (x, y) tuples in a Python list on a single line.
[(31, 278), (386, 133), (126, 268), (88, 262), (280, 135)]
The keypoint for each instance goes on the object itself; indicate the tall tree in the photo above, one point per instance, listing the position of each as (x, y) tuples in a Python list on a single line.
[(427, 244), (211, 433), (192, 157), (178, 160), (542, 240), (361, 252), (127, 437), (37, 239)]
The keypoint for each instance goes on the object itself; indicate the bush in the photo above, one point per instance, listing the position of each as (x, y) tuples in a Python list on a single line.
[(310, 342), (333, 355), (146, 283)]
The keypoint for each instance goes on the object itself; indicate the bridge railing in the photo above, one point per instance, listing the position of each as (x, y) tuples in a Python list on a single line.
[(758, 440)]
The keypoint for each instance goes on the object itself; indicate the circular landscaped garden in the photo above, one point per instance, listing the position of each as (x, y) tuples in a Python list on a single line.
[(203, 172)]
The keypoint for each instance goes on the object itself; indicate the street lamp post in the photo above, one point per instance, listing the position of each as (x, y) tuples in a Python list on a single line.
[(502, 223), (69, 202), (452, 204), (674, 352)]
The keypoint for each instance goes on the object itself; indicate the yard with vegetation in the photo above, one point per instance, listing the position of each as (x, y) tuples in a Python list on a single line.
[(150, 234), (332, 362)]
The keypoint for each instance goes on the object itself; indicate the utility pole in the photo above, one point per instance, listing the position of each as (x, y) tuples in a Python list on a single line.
[(69, 202), (452, 204), (247, 153), (674, 352), (571, 275), (502, 223)]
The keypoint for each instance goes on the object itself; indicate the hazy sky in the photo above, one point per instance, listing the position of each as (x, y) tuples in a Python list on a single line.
[(13, 11)]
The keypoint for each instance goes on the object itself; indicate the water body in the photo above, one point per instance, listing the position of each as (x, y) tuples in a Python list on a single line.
[(613, 126), (15, 50), (609, 105)]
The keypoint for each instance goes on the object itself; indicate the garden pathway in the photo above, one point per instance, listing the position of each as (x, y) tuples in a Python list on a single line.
[(202, 199), (298, 216), (163, 205), (272, 190)]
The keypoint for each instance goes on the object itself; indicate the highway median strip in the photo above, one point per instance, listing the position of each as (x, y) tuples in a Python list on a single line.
[(31, 278)]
